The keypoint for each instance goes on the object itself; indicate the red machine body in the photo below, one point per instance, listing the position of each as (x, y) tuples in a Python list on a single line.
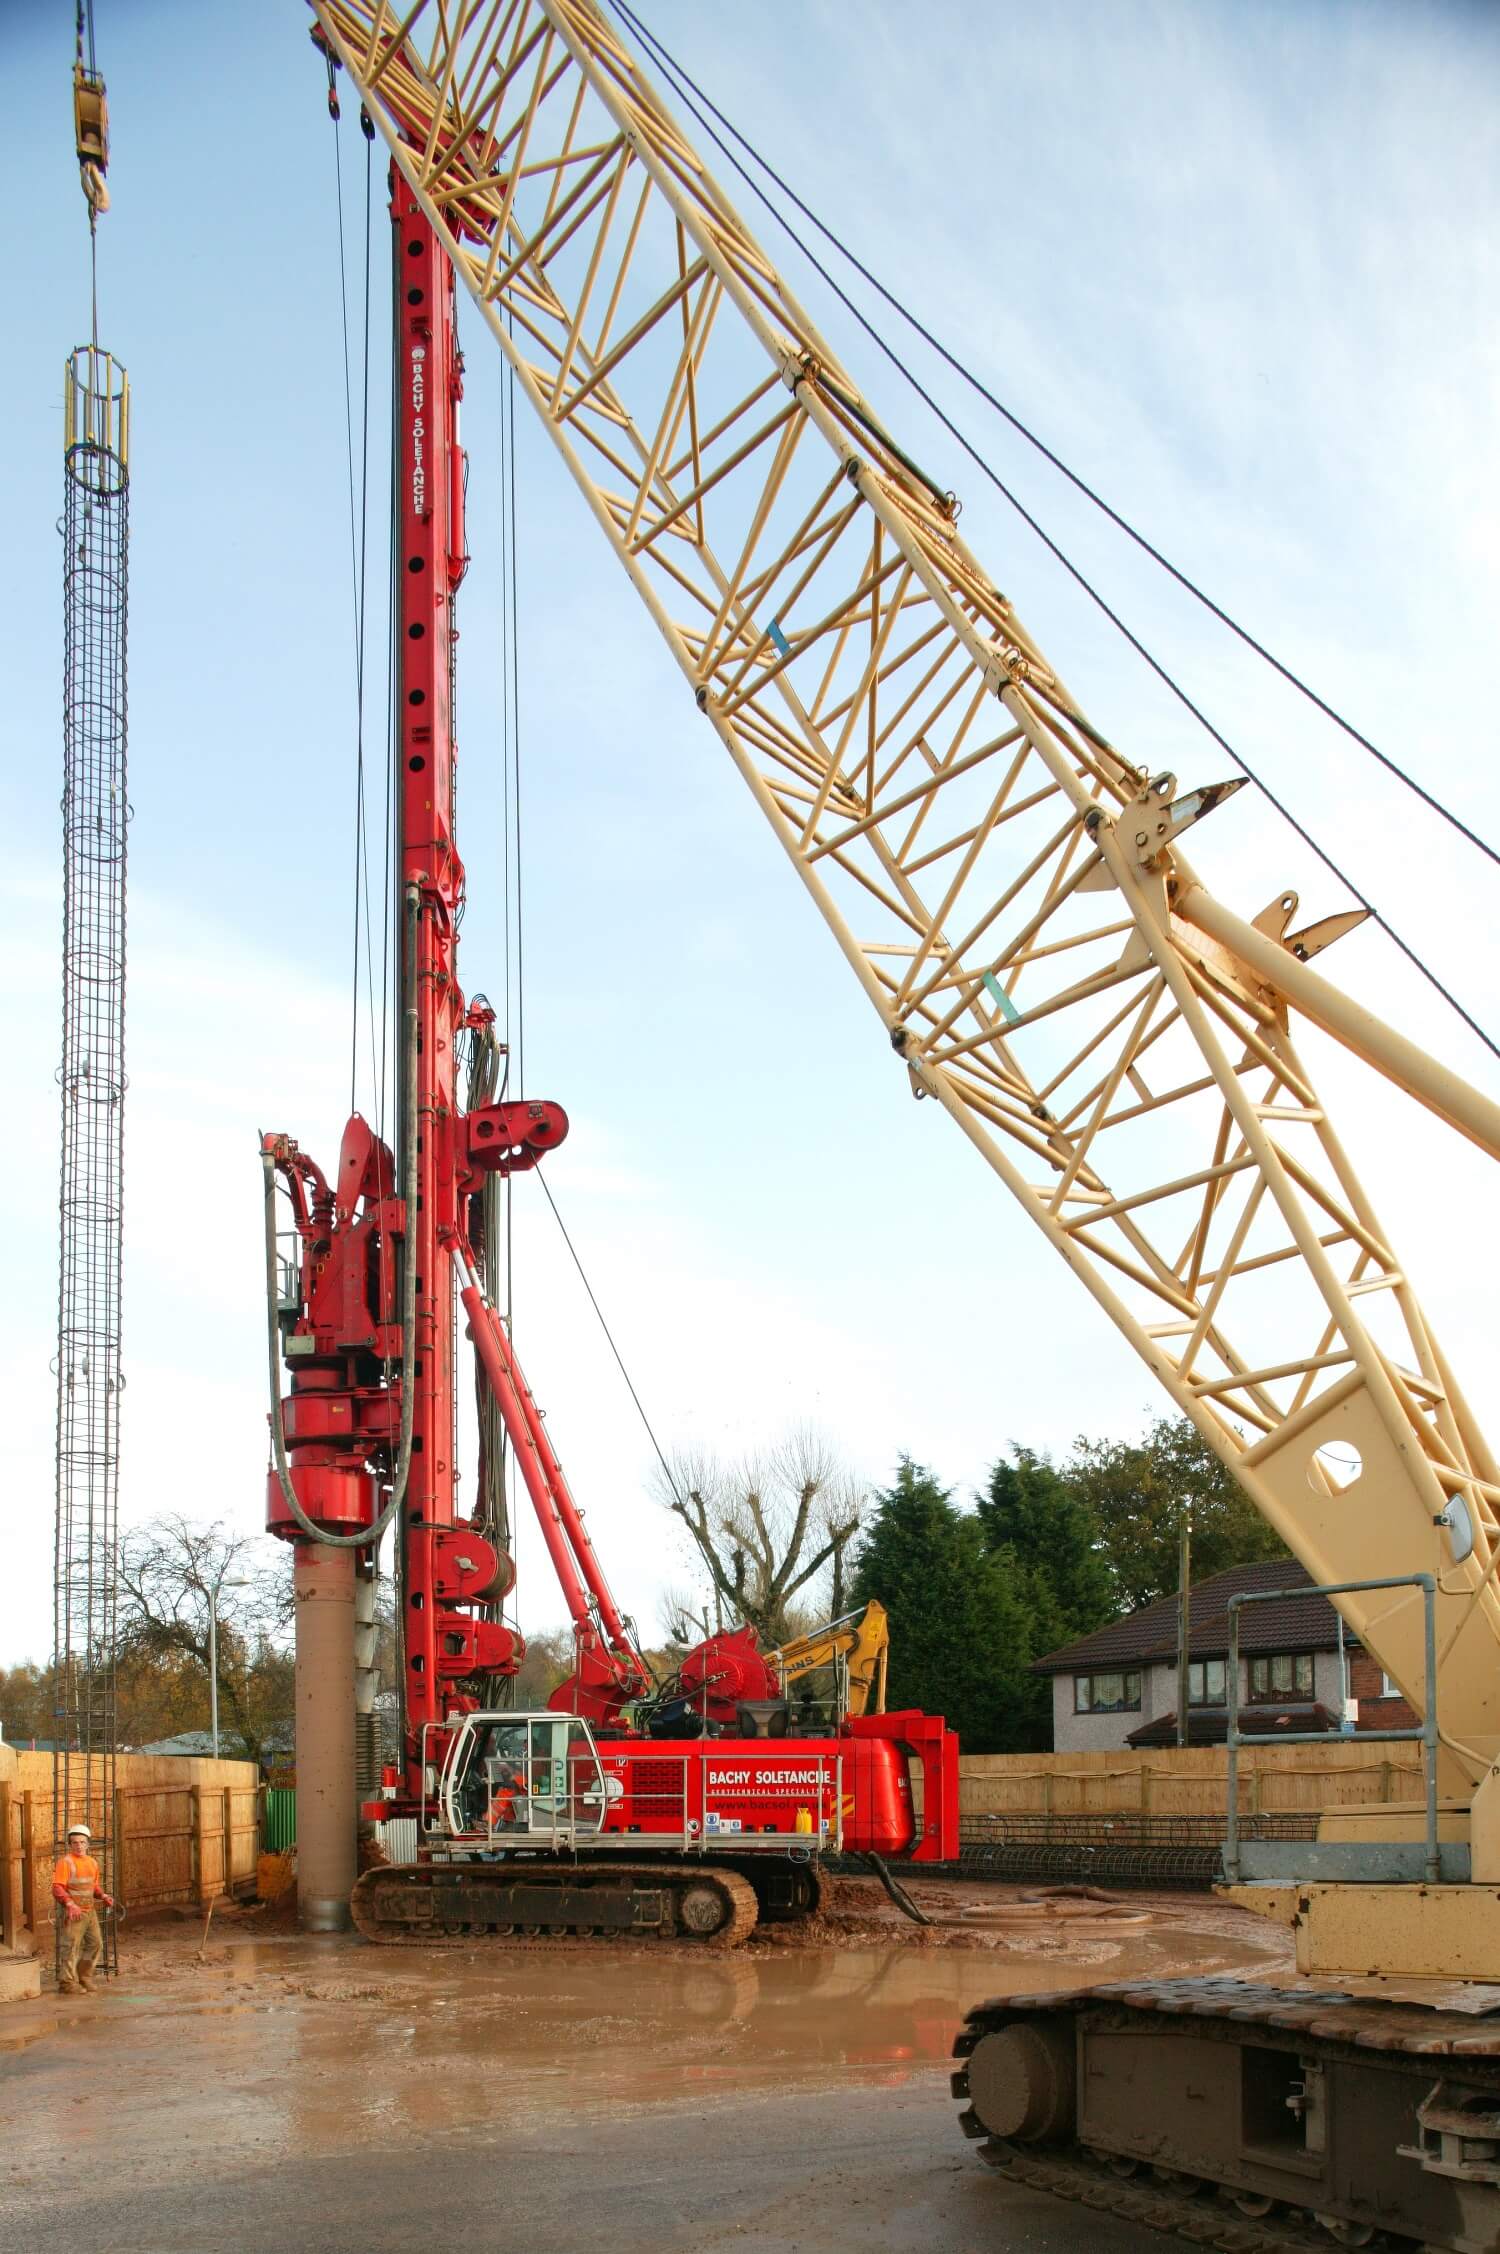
[(367, 1251), (851, 1792), (725, 1672)]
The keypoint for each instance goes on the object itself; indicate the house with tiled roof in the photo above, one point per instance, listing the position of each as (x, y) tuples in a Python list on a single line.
[(1118, 1686)]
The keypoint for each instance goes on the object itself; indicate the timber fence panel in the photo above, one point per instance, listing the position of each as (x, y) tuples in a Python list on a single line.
[(1190, 1782), (189, 1829)]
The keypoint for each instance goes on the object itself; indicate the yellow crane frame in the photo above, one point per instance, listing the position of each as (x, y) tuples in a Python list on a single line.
[(1008, 887)]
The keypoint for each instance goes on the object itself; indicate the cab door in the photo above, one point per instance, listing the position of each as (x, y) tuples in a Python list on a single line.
[(524, 1780), (564, 1799)]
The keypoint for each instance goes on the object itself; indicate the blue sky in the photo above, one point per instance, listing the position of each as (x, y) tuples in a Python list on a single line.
[(1238, 264)]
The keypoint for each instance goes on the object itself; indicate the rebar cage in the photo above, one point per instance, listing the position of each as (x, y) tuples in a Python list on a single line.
[(96, 815)]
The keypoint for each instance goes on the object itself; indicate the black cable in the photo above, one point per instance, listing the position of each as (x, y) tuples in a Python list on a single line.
[(87, 15), (338, 177), (362, 819), (609, 1335), (507, 662), (391, 748), (692, 97), (515, 664)]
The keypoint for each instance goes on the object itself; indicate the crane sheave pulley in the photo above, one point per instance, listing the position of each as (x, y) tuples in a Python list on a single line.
[(1006, 885)]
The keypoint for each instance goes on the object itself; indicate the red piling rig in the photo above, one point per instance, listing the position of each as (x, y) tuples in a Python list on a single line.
[(345, 1342), (373, 1312), (344, 1337)]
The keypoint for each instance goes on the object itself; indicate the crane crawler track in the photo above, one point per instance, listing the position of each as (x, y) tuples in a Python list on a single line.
[(538, 1904), (1085, 2178), (1252, 2119)]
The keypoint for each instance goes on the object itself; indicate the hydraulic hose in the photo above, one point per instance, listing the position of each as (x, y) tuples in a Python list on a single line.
[(366, 1536), (896, 1890)]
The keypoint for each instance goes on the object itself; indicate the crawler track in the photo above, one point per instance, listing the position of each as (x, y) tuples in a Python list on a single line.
[(1199, 2219), (1254, 2120), (537, 1904)]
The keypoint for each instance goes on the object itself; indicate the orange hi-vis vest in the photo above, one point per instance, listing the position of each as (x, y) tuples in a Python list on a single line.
[(78, 1877)]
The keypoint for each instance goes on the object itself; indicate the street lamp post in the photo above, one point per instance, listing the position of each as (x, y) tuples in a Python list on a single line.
[(213, 1655)]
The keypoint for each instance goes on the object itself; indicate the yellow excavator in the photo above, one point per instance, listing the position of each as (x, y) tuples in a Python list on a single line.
[(855, 1646)]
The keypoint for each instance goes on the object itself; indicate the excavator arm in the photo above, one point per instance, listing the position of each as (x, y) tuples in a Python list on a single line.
[(1009, 887), (860, 1639)]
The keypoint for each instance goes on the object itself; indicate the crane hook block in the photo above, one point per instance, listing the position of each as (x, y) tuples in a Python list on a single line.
[(91, 135)]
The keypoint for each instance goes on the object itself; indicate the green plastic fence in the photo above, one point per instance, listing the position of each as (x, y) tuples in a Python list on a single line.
[(280, 1828)]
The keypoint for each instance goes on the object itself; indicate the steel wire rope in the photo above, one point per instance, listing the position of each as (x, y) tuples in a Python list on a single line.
[(609, 1336), (515, 740), (388, 911), (692, 97), (510, 826), (1090, 493), (84, 22), (358, 560), (362, 820)]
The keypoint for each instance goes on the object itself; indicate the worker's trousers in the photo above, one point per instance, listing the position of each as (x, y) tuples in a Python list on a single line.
[(81, 1943)]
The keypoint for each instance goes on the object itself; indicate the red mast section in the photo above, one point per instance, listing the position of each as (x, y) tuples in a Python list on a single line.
[(366, 1432)]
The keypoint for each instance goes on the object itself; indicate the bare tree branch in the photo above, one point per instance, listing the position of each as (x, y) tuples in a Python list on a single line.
[(169, 1570), (766, 1530)]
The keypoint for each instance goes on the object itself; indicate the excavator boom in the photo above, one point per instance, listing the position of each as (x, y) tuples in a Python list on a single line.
[(861, 1640)]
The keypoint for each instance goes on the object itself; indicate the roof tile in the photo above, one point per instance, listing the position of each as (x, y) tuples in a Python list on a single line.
[(1301, 1621)]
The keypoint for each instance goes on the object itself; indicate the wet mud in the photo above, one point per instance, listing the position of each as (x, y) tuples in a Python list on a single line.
[(266, 2049)]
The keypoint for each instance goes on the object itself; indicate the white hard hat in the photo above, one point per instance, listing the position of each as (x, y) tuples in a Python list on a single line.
[(79, 1831)]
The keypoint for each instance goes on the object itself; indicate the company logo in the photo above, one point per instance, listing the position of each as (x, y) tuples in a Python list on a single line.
[(738, 1779), (418, 430)]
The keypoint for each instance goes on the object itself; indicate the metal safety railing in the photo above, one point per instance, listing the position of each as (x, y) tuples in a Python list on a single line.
[(1425, 1732)]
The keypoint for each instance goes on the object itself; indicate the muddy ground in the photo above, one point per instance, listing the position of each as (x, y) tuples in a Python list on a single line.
[(268, 2089)]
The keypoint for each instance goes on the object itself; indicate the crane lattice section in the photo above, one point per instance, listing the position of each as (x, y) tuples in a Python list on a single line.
[(1006, 883)]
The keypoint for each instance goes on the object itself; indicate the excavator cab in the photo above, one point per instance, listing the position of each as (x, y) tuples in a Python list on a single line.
[(523, 1780)]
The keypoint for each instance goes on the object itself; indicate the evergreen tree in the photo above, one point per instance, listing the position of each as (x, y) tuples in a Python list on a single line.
[(959, 1638), (1032, 1514)]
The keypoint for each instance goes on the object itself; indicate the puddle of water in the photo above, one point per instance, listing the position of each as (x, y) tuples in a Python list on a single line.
[(295, 2044), (16, 2036)]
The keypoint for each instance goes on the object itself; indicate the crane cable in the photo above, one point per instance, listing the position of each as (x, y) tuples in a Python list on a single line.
[(609, 1335), (83, 29), (359, 580), (703, 108), (510, 825), (510, 708)]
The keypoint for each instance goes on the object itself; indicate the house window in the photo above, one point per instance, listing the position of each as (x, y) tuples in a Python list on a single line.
[(1118, 1693), (1286, 1675), (1206, 1682)]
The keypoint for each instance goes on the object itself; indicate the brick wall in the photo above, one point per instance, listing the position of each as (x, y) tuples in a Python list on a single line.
[(1376, 1712)]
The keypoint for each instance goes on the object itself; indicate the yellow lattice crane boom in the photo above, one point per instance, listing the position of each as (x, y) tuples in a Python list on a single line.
[(1008, 885)]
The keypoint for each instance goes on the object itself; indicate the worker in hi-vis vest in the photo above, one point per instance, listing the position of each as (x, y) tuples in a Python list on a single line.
[(77, 1892)]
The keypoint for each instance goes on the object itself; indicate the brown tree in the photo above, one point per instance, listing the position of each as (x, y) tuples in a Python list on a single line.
[(767, 1532), (167, 1570)]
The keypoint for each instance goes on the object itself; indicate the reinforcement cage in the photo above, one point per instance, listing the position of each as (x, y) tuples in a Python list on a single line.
[(1124, 1849), (96, 813)]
